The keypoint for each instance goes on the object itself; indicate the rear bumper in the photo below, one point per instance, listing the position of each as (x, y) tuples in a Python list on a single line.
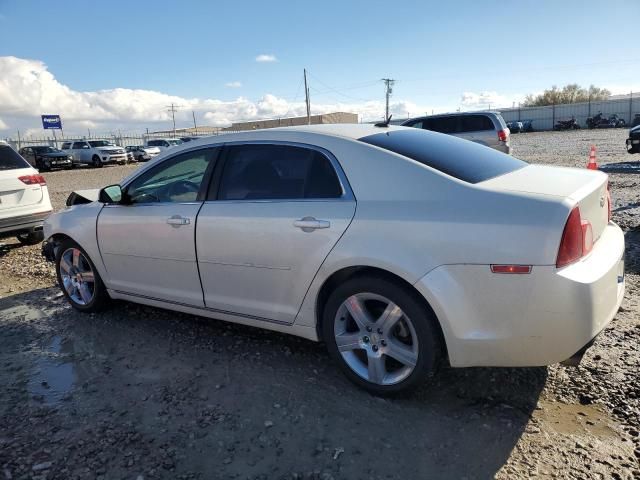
[(22, 224), (536, 319)]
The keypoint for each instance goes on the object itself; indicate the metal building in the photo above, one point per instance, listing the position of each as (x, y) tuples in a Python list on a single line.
[(336, 117)]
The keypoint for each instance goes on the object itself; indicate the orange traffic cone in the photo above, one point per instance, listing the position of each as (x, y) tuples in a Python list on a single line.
[(592, 164)]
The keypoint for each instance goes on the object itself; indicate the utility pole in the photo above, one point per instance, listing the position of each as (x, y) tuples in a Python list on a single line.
[(308, 100), (388, 85), (195, 127), (173, 109)]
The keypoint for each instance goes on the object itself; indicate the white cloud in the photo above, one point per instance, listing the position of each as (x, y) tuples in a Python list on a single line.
[(28, 89), (235, 84), (265, 58), (482, 99)]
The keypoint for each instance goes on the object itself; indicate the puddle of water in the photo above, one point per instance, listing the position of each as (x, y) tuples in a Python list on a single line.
[(575, 419), (52, 378)]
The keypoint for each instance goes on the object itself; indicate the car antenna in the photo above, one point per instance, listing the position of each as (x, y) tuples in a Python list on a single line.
[(385, 123)]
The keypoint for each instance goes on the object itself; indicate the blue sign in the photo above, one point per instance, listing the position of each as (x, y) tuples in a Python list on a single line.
[(51, 122)]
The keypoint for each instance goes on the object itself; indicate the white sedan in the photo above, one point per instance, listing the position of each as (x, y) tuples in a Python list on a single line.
[(400, 248)]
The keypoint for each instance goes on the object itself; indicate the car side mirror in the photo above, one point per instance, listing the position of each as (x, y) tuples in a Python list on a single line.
[(110, 194)]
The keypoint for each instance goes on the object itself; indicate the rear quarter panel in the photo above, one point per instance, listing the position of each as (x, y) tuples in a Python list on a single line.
[(411, 219)]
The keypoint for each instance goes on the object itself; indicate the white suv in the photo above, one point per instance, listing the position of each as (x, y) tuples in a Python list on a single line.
[(24, 198), (94, 152)]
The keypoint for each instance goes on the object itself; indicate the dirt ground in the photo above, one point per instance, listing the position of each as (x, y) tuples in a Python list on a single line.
[(141, 393)]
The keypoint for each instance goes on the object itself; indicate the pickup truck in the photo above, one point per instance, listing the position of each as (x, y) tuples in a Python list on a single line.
[(94, 152)]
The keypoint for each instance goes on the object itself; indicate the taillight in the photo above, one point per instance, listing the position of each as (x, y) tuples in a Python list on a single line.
[(33, 180), (503, 135), (577, 239), (608, 202)]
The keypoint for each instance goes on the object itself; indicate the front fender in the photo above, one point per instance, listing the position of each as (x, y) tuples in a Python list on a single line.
[(78, 222)]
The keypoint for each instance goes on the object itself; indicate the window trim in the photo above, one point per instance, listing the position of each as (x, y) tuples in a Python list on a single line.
[(214, 188)]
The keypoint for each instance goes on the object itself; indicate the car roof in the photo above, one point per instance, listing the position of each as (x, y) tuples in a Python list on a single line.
[(351, 131)]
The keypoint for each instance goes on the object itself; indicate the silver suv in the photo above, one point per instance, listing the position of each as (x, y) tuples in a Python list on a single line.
[(485, 128)]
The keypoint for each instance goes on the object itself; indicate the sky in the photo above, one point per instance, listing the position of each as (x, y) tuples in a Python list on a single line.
[(117, 65)]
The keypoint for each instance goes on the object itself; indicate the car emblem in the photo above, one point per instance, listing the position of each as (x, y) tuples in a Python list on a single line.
[(602, 201)]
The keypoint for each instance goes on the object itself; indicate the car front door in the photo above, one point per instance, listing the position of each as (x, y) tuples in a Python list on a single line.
[(268, 224), (147, 242)]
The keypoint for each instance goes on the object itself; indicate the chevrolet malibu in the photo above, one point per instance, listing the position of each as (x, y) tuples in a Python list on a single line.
[(399, 248)]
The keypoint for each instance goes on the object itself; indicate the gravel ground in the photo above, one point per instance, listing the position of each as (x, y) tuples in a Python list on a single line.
[(141, 393)]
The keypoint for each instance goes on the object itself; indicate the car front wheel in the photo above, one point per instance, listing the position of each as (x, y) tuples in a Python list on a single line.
[(79, 279), (383, 337)]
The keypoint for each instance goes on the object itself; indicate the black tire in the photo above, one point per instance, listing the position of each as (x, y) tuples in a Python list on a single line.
[(100, 298), (32, 238), (422, 318), (42, 166), (97, 163)]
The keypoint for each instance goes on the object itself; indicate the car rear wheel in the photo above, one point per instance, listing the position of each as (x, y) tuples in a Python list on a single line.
[(32, 238), (79, 279), (383, 337)]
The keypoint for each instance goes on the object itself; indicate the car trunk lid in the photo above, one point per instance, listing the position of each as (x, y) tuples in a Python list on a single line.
[(15, 193), (586, 188)]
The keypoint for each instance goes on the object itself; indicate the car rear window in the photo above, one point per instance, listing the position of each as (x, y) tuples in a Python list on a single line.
[(459, 158), (10, 159)]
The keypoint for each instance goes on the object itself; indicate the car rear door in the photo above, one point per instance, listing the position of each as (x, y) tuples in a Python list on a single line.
[(264, 232), (148, 243)]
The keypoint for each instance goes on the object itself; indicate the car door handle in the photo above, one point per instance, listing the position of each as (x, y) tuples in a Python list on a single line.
[(177, 220), (308, 224)]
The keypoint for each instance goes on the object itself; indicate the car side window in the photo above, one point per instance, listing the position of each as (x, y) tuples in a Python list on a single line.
[(65, 146), (475, 123), (269, 172), (175, 180), (445, 124), (416, 124)]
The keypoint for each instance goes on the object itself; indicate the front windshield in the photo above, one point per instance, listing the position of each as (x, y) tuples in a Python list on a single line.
[(100, 143)]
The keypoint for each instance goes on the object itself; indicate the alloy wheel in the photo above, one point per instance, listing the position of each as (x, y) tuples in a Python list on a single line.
[(78, 278), (376, 339)]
